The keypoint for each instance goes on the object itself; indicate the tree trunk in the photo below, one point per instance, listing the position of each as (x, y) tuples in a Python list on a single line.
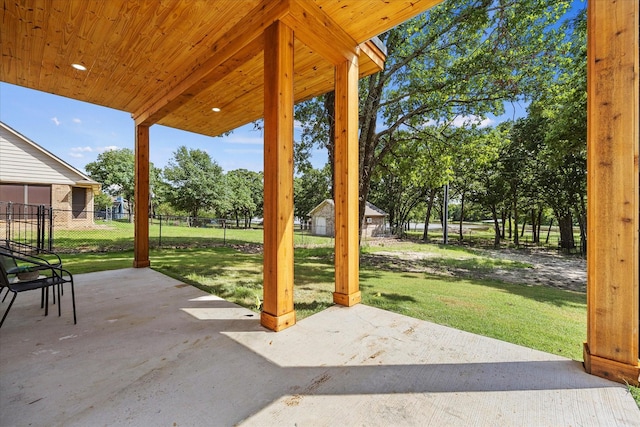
[(425, 233), (516, 240), (461, 237), (496, 227), (504, 222), (565, 223), (539, 226)]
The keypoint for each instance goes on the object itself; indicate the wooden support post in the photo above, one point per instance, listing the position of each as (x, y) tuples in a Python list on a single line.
[(277, 308), (347, 259), (612, 347), (141, 196)]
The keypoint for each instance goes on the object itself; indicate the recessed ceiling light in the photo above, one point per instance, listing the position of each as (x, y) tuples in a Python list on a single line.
[(79, 67), (215, 109)]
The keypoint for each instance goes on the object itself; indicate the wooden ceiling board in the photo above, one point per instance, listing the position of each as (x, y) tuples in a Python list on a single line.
[(170, 61), (364, 20)]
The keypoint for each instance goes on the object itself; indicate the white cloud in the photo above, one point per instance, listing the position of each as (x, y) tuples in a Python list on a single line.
[(460, 121), (85, 149), (76, 155), (55, 121), (76, 120), (108, 148)]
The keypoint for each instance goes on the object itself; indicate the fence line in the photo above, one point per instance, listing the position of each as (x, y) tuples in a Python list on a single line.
[(30, 224), (102, 231)]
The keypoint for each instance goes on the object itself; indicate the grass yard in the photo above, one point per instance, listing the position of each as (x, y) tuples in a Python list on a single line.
[(115, 236)]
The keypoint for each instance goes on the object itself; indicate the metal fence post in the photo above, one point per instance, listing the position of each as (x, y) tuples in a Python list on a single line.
[(50, 228)]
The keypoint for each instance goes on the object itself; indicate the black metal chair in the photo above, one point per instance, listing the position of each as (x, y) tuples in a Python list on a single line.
[(26, 251), (49, 276), (11, 267)]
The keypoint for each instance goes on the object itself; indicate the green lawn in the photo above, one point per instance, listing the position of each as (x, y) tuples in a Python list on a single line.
[(114, 236)]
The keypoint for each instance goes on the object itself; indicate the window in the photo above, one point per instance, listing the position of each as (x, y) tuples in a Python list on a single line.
[(79, 202), (27, 194)]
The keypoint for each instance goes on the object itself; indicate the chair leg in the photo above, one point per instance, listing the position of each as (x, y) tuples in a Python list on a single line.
[(73, 301), (15, 294), (46, 300), (5, 295), (59, 300)]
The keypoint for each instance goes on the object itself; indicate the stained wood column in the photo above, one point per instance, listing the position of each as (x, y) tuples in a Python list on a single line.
[(141, 197), (612, 348), (277, 308), (347, 291)]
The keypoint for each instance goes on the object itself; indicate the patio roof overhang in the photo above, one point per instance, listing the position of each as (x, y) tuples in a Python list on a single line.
[(172, 62)]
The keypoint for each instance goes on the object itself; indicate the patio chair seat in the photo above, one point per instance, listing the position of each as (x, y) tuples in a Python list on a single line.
[(55, 277)]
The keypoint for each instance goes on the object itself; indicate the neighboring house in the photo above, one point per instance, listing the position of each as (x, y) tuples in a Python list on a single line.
[(322, 220), (29, 174)]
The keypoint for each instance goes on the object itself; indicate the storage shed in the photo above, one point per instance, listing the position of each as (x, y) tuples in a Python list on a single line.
[(322, 220)]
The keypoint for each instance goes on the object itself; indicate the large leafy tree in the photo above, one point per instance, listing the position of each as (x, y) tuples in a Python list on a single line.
[(196, 182), (244, 194), (418, 166), (310, 188), (462, 58), (114, 169)]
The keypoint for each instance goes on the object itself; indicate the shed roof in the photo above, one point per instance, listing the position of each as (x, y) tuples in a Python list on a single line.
[(370, 209)]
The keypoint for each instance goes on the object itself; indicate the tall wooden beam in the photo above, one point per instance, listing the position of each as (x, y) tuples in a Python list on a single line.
[(612, 347), (346, 184), (141, 197), (277, 308)]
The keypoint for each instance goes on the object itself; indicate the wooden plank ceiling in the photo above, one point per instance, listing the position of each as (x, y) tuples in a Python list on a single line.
[(171, 61)]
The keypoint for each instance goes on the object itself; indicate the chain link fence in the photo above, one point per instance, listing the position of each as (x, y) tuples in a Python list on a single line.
[(108, 230)]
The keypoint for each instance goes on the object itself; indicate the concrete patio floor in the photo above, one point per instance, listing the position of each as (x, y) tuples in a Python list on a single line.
[(151, 351)]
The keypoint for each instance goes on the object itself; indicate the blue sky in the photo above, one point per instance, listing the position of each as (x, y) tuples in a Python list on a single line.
[(77, 132)]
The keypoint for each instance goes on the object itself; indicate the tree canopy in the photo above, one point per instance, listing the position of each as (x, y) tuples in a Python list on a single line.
[(195, 182), (460, 59)]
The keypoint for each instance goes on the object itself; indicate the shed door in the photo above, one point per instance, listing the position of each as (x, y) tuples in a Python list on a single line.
[(321, 226)]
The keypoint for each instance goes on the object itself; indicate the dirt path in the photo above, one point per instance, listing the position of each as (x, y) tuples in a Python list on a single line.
[(548, 268)]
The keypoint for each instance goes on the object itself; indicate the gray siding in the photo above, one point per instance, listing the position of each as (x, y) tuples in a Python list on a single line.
[(17, 156)]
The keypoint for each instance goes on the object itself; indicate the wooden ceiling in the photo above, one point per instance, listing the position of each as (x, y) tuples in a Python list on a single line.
[(171, 61)]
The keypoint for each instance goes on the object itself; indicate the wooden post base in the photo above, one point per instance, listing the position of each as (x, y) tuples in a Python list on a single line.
[(278, 323), (347, 299), (141, 264), (611, 369)]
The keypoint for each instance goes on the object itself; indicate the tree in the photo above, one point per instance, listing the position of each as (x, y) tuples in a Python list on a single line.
[(114, 169), (244, 193), (462, 58), (196, 182), (310, 189), (102, 201), (412, 173)]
